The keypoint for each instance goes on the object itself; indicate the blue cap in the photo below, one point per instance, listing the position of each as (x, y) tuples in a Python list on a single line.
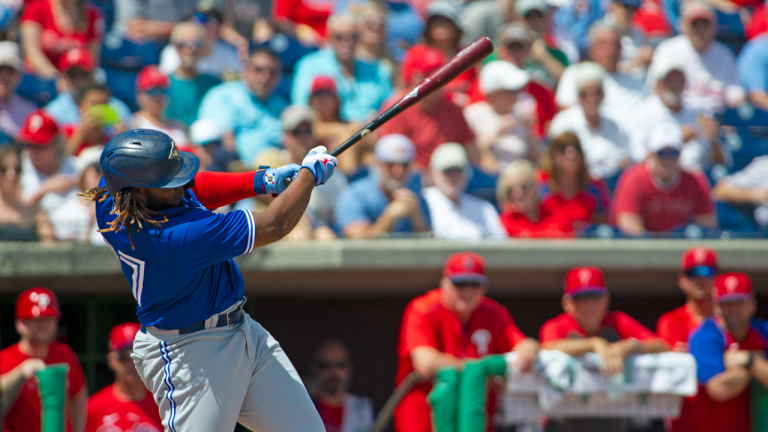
[(630, 3)]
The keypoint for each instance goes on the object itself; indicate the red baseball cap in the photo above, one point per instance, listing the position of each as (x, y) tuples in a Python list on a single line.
[(465, 267), (699, 260), (150, 77), (733, 286), (39, 129), (122, 335), (77, 57), (37, 302), (323, 82), (423, 59), (583, 280)]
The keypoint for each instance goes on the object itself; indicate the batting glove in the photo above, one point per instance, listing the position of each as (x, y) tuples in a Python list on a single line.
[(320, 164), (272, 180)]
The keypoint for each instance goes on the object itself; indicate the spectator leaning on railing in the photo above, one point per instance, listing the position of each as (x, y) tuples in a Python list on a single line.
[(50, 28), (362, 86), (387, 200), (656, 195), (587, 326), (13, 108), (730, 350), (455, 214), (248, 109)]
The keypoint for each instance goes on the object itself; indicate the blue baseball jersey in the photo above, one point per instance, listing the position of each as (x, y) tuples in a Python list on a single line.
[(183, 272)]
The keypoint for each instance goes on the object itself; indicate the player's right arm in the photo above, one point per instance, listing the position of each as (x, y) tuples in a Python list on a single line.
[(22, 372)]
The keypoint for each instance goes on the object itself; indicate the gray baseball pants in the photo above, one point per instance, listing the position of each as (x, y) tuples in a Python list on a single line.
[(209, 380)]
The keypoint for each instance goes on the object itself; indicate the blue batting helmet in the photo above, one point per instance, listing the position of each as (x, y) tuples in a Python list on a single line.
[(146, 158)]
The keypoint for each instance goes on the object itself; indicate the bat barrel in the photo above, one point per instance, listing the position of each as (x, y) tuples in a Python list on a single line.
[(459, 64)]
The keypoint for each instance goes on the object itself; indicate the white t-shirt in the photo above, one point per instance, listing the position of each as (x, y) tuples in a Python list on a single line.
[(73, 220), (709, 77), (753, 176), (175, 132), (622, 91), (472, 219), (696, 153), (484, 122), (604, 148), (323, 199), (223, 58)]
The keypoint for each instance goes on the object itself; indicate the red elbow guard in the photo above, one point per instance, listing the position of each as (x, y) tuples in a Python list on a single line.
[(216, 189)]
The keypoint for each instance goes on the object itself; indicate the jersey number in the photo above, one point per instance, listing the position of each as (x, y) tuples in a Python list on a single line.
[(137, 279)]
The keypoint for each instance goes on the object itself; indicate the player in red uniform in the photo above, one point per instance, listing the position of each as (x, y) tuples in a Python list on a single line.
[(37, 321), (730, 350), (447, 325), (698, 269), (587, 326), (126, 405)]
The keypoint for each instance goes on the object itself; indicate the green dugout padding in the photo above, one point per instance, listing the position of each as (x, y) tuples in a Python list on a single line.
[(458, 399), (52, 385), (759, 407)]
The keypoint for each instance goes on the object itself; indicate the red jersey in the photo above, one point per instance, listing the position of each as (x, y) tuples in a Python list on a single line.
[(444, 123), (758, 23), (332, 416), (651, 20), (24, 416), (661, 207), (616, 326), (108, 412), (56, 41), (313, 13), (550, 225), (676, 325), (427, 322)]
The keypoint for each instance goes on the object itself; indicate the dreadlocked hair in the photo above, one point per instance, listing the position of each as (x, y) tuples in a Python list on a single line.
[(130, 209)]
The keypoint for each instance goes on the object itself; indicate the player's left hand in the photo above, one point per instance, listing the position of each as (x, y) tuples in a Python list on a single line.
[(320, 164), (272, 180)]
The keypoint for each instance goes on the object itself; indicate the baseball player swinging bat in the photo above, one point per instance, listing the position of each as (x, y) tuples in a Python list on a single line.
[(460, 63)]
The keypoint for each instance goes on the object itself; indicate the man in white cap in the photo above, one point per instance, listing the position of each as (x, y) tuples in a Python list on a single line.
[(658, 196), (502, 122), (13, 108), (622, 90), (388, 200), (710, 68), (701, 143), (604, 142), (209, 136), (455, 214)]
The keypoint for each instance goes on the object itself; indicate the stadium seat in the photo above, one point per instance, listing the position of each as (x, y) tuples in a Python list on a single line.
[(735, 219), (730, 31), (38, 90)]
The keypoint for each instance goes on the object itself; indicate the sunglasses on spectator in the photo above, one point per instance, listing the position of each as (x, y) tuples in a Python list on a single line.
[(190, 43), (261, 69), (404, 164), (703, 271), (668, 153), (14, 168), (7, 69), (329, 364), (323, 92), (454, 171), (124, 354), (76, 72), (588, 296), (157, 91), (468, 284), (590, 93), (34, 147), (348, 36), (302, 130), (514, 46), (563, 148), (534, 14), (374, 22)]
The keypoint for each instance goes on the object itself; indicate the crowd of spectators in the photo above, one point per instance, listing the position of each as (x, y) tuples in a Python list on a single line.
[(589, 119)]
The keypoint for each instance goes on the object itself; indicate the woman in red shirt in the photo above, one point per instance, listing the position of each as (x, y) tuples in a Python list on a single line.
[(50, 28), (522, 213), (566, 188)]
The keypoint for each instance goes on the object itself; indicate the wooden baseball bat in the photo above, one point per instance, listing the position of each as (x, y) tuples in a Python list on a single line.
[(459, 64), (385, 415)]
